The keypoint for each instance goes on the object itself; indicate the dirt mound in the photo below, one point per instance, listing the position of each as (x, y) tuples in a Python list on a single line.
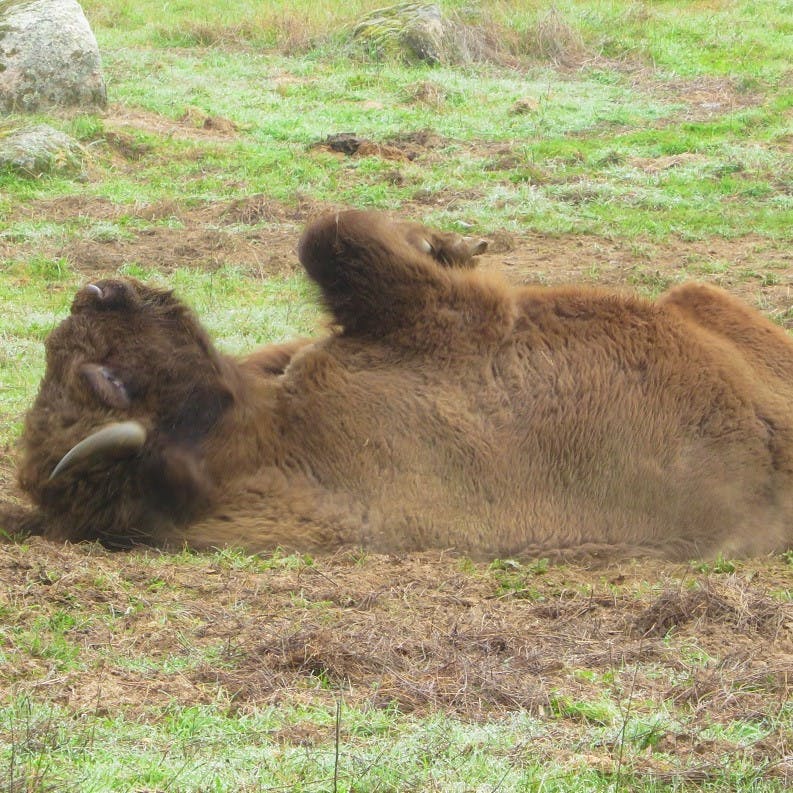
[(402, 146), (727, 603)]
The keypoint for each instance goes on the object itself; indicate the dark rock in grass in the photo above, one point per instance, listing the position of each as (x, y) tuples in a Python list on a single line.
[(33, 151), (345, 142), (48, 57)]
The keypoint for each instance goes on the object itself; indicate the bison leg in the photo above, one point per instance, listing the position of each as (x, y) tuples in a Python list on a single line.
[(274, 358), (372, 279), (379, 281), (446, 248)]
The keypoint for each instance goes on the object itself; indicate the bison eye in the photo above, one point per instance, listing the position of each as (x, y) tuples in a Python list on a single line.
[(106, 386)]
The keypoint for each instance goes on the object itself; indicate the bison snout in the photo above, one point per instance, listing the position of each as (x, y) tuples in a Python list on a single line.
[(105, 295)]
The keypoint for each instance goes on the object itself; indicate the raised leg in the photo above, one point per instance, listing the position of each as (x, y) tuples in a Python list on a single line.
[(274, 358), (372, 279), (378, 280)]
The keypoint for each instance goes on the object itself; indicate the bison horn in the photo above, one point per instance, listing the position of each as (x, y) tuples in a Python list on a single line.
[(116, 440)]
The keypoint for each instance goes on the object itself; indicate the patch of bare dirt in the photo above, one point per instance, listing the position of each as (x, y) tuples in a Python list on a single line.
[(193, 124), (704, 97), (206, 236), (756, 269), (657, 164), (171, 248), (421, 632)]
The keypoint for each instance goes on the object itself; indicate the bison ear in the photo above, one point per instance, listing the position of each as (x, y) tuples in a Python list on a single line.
[(105, 386)]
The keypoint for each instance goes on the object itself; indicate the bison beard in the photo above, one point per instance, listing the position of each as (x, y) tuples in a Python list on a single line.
[(447, 410)]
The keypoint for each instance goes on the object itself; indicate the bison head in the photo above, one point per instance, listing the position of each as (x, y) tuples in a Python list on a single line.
[(113, 444)]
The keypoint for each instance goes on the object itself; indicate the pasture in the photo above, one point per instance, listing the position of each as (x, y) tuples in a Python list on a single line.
[(634, 146)]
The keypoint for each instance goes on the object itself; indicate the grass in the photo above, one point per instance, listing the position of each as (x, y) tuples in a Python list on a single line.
[(379, 753), (170, 678), (633, 145)]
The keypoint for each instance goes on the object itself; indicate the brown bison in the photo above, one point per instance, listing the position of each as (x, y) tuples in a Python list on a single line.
[(447, 410)]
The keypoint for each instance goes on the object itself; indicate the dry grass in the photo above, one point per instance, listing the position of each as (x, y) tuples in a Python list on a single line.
[(555, 40), (420, 31), (420, 632), (665, 660)]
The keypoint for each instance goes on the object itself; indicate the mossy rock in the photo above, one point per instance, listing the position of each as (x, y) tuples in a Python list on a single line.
[(35, 150), (419, 32), (48, 57)]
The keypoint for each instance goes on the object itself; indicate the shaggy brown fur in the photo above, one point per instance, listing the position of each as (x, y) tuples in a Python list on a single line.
[(448, 411)]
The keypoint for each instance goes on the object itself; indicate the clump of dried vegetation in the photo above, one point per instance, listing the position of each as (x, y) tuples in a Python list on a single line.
[(412, 31), (414, 634)]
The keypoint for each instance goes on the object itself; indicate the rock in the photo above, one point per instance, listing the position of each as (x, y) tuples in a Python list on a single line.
[(414, 31), (424, 34), (48, 57), (37, 150), (411, 31)]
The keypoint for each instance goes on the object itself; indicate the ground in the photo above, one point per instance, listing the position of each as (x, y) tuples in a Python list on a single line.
[(578, 649)]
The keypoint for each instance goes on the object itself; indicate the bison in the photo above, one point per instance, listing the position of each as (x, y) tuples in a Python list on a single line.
[(445, 409)]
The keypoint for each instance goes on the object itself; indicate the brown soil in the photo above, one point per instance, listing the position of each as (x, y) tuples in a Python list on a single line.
[(206, 237), (420, 632), (192, 124), (260, 236)]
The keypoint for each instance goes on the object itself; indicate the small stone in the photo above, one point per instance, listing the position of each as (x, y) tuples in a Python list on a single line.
[(33, 151)]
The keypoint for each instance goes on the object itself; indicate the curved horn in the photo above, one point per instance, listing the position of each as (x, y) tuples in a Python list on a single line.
[(120, 440)]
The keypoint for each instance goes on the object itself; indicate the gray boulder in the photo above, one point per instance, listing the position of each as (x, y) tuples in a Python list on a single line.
[(37, 150), (48, 57)]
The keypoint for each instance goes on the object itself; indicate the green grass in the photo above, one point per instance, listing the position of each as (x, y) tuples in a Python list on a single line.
[(586, 130), (200, 748)]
